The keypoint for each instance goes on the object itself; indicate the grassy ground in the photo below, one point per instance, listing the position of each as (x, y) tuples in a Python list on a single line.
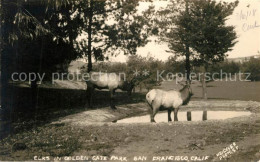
[(231, 90), (92, 133), (73, 131)]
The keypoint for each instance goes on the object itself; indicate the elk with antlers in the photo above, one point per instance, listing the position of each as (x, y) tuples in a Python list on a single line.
[(170, 100)]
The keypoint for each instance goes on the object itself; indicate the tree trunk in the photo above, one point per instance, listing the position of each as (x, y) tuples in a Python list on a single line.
[(5, 51), (6, 108), (187, 55), (90, 17), (34, 95), (187, 63), (204, 85)]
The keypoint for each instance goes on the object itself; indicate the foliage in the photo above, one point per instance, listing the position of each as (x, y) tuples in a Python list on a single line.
[(195, 29), (199, 31), (169, 25), (172, 65), (45, 35), (226, 66), (211, 38), (252, 67), (38, 39), (110, 28), (109, 67), (144, 70)]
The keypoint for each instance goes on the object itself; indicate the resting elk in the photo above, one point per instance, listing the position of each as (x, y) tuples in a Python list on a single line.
[(170, 100), (110, 81)]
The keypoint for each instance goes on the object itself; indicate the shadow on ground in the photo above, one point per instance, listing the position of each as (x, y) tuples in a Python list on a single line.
[(55, 103)]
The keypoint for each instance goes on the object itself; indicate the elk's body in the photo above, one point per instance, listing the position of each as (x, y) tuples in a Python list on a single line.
[(110, 81), (170, 100)]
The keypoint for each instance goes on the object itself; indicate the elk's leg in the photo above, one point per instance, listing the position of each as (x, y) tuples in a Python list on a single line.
[(175, 114), (90, 91), (112, 99), (151, 113), (169, 115), (155, 109)]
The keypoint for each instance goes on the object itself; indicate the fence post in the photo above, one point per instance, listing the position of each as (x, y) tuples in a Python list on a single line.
[(204, 116), (188, 115)]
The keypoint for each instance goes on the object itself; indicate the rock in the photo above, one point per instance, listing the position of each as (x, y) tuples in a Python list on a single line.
[(93, 137), (18, 146), (128, 139), (257, 155), (203, 142)]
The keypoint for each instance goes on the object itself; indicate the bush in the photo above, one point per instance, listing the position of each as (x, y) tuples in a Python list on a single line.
[(174, 66), (144, 70), (150, 64), (253, 67), (227, 67)]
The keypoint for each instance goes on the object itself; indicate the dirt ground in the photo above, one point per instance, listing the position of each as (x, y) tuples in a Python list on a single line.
[(91, 135)]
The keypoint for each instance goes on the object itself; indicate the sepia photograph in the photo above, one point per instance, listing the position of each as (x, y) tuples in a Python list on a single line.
[(130, 80)]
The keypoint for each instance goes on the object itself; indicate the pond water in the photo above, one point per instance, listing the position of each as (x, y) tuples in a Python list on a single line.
[(182, 116)]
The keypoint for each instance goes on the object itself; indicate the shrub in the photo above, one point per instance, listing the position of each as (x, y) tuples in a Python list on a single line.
[(253, 67)]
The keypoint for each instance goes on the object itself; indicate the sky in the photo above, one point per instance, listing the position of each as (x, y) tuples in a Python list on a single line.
[(245, 18)]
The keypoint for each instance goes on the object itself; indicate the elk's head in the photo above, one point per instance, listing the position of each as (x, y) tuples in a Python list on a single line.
[(128, 86), (187, 87), (186, 93)]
